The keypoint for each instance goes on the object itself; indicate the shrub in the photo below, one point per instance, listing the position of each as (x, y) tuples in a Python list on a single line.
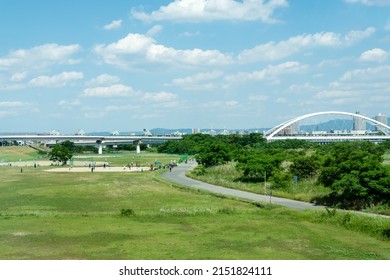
[(127, 212)]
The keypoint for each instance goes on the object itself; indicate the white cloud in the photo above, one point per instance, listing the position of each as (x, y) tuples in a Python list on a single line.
[(104, 79), (306, 87), (210, 10), (136, 47), (40, 57), (358, 35), (115, 24), (374, 55), (125, 107), (7, 113), (258, 97), (274, 51), (271, 72), (117, 90), (159, 97), (56, 81), (11, 104), (69, 104), (334, 94), (375, 73), (200, 81), (281, 100), (358, 88), (154, 30), (370, 2), (19, 76), (190, 34), (231, 103)]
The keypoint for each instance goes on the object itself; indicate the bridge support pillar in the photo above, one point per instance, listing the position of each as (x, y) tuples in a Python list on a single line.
[(100, 151)]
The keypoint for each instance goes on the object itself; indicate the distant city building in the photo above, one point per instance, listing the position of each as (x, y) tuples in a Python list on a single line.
[(358, 123), (295, 128), (54, 133), (286, 131), (195, 131), (146, 132), (382, 119), (177, 133), (225, 132), (80, 132), (115, 133)]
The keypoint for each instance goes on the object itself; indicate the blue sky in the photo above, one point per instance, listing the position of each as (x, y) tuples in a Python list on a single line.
[(127, 65)]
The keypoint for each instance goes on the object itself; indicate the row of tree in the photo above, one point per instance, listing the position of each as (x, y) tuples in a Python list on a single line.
[(353, 171)]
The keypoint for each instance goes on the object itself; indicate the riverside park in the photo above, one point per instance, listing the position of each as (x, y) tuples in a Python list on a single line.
[(55, 213)]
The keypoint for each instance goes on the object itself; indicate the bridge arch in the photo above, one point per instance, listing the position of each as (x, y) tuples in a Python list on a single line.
[(270, 134)]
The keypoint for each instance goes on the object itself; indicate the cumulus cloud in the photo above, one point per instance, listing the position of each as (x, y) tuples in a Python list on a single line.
[(371, 85), (57, 80), (136, 47), (211, 10), (231, 103), (69, 104), (271, 72), (159, 97), (200, 81), (370, 2), (374, 55), (258, 97), (40, 57), (278, 50), (11, 104), (104, 79), (375, 73), (117, 90), (154, 30), (358, 35), (18, 76), (115, 24)]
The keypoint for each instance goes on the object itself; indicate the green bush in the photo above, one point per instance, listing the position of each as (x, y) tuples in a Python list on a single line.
[(127, 212), (199, 170), (374, 226)]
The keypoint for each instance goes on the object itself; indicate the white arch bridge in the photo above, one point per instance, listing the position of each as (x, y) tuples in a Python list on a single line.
[(363, 128)]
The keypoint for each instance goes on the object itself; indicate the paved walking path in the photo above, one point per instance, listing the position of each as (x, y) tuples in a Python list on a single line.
[(177, 175)]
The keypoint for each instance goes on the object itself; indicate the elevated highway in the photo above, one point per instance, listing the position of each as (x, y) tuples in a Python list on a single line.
[(94, 140)]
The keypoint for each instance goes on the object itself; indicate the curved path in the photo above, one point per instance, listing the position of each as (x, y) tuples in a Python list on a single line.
[(177, 175)]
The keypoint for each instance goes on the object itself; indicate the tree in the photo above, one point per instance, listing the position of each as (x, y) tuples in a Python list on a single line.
[(61, 153), (304, 167), (254, 164), (355, 174), (213, 154)]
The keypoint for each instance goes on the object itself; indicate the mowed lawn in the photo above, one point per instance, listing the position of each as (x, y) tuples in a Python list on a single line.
[(17, 153), (48, 215)]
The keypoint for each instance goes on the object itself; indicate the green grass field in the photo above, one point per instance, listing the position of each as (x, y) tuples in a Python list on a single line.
[(17, 153), (48, 215)]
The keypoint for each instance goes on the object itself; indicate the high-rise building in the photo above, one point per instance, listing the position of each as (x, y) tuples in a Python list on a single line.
[(358, 123), (295, 128), (381, 118), (195, 130)]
